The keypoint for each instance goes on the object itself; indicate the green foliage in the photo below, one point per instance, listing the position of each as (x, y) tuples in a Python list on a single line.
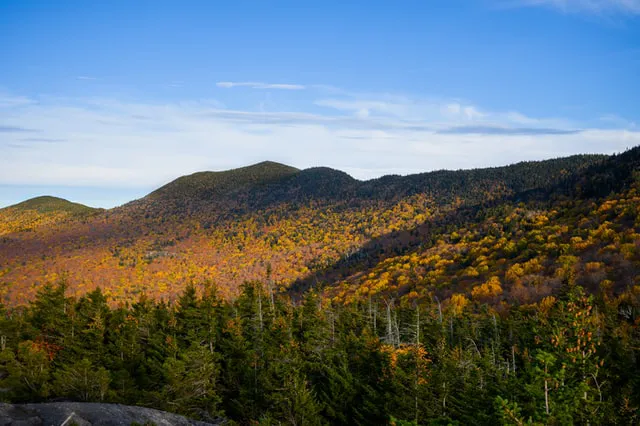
[(82, 381), (296, 403), (510, 413), (27, 370), (275, 361), (191, 382), (208, 184)]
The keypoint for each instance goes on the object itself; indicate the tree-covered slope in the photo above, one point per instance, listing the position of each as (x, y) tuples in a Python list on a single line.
[(40, 211), (268, 219), (268, 184), (208, 185), (48, 204), (584, 229)]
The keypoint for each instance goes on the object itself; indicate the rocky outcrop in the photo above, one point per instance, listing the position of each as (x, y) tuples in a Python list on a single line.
[(83, 414)]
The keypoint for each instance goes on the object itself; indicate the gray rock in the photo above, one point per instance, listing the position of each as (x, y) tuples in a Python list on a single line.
[(86, 413)]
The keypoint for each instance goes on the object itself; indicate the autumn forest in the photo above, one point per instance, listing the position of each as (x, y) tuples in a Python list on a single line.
[(272, 295)]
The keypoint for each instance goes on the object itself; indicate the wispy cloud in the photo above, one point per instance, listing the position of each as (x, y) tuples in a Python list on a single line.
[(258, 85), (599, 7), (9, 101), (42, 140), (16, 129), (494, 130), (617, 121), (364, 108), (420, 110), (441, 115), (468, 111), (85, 77)]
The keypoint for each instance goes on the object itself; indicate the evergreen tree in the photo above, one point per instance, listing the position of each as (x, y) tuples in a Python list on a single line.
[(27, 371), (191, 383), (82, 381)]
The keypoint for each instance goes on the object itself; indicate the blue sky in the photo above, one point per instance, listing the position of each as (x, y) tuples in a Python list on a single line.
[(103, 103)]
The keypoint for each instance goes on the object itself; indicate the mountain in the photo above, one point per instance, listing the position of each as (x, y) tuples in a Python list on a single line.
[(244, 189), (41, 211), (313, 227), (210, 195), (209, 185), (48, 204)]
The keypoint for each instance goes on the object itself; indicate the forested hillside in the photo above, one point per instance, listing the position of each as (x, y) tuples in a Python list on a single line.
[(237, 225), (269, 295), (40, 212)]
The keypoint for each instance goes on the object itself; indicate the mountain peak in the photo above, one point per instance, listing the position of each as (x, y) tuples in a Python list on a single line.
[(210, 184), (50, 204)]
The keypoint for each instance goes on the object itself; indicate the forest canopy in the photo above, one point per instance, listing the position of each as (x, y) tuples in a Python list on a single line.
[(569, 359)]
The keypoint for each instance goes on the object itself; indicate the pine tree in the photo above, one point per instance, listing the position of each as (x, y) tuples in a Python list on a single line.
[(192, 383), (49, 315), (91, 317), (82, 381), (27, 371)]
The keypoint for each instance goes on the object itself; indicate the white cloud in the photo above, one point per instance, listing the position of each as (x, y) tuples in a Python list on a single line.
[(453, 109), (363, 108), (586, 6), (433, 114), (456, 110), (257, 85), (362, 113), (472, 113), (516, 117), (85, 77)]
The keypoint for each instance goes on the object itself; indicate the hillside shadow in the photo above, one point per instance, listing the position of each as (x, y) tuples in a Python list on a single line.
[(376, 250), (595, 182)]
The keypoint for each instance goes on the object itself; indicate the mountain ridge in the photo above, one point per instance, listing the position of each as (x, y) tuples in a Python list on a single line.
[(210, 183), (241, 190), (215, 183), (289, 174)]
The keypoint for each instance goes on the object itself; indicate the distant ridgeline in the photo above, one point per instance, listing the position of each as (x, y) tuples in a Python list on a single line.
[(38, 212), (271, 295)]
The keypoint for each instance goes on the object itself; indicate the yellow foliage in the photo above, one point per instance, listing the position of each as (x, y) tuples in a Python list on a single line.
[(488, 290), (547, 303), (458, 302), (514, 272), (471, 272)]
